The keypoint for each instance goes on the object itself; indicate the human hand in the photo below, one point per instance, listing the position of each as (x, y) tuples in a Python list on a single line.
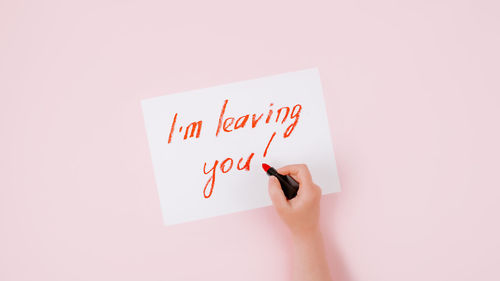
[(300, 214)]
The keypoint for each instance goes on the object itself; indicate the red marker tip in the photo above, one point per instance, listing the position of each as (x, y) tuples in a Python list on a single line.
[(265, 167)]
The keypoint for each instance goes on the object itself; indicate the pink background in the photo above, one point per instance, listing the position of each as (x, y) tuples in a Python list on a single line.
[(413, 101)]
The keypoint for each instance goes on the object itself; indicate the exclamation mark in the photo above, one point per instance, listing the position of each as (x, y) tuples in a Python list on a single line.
[(267, 147)]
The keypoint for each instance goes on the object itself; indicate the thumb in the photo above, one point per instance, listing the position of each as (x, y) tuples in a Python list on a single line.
[(276, 194)]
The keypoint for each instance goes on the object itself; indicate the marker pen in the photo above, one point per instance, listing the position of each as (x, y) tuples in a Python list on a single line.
[(288, 184)]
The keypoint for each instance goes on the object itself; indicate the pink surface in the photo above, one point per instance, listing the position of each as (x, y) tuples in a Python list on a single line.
[(413, 100)]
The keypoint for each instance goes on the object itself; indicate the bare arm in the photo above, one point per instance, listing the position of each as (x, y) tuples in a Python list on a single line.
[(301, 215)]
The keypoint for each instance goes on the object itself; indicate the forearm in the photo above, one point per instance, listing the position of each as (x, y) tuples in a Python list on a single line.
[(309, 259)]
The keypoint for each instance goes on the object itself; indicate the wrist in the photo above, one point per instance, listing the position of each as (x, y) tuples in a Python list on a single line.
[(306, 235)]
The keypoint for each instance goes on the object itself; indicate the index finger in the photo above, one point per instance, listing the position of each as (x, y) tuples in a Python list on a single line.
[(298, 172)]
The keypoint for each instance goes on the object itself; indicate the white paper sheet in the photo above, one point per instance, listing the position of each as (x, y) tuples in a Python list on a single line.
[(179, 157)]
